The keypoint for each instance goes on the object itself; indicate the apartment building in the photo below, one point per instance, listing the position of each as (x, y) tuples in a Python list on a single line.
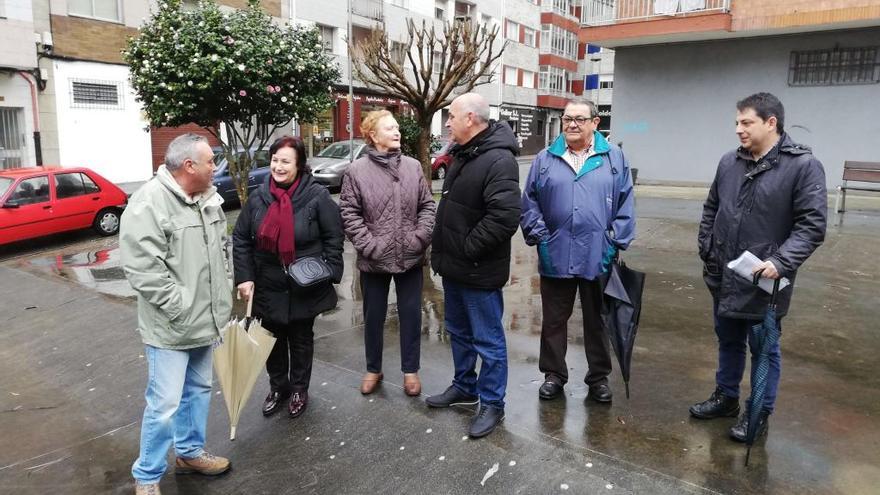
[(681, 65), (596, 64), (65, 96), (19, 85), (88, 114), (88, 111), (330, 17), (536, 75)]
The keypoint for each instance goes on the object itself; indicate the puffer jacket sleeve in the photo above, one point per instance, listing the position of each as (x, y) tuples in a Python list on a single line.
[(426, 211), (501, 196), (623, 225), (809, 208), (532, 219), (243, 246), (332, 236), (143, 249), (351, 207)]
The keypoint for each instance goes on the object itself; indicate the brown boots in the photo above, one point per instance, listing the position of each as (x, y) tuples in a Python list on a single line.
[(370, 382), (412, 386)]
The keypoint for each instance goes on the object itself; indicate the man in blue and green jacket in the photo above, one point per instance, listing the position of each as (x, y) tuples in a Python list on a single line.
[(577, 207)]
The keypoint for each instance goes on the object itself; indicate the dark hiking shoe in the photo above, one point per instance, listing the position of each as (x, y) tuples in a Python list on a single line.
[(717, 405), (739, 431)]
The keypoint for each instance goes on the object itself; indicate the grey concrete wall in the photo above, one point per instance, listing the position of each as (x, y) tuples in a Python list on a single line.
[(674, 105)]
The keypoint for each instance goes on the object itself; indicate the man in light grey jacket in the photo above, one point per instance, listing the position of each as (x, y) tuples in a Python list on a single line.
[(172, 242)]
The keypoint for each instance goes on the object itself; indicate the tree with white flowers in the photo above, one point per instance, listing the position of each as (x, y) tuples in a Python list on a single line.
[(236, 69)]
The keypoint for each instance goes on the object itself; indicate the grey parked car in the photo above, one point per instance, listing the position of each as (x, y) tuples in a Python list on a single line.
[(329, 165)]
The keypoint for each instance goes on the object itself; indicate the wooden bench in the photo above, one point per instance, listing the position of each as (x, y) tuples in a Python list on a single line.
[(864, 172)]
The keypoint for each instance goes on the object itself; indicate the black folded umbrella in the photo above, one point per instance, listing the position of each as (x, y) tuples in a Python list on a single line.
[(621, 308), (766, 335)]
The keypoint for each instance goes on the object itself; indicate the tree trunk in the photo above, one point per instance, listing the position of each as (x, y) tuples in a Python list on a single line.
[(424, 147), (240, 169)]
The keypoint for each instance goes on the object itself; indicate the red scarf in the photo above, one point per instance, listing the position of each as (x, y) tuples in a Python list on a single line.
[(275, 234)]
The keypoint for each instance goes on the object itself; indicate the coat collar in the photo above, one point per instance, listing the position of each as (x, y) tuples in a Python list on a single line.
[(785, 145), (304, 190), (207, 198), (600, 147)]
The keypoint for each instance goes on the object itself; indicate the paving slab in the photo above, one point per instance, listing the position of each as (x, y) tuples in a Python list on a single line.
[(72, 376)]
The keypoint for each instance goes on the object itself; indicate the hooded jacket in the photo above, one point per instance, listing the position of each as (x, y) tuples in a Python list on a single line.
[(775, 208), (578, 220), (317, 232), (388, 212), (173, 254), (479, 210)]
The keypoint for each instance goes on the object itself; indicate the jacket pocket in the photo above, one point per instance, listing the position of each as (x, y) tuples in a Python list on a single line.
[(712, 278), (380, 248)]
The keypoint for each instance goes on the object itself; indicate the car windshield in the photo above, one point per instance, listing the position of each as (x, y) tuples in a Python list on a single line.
[(337, 150), (5, 183)]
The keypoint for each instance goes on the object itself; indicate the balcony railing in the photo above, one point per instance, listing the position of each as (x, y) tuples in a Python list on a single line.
[(601, 12), (371, 9), (561, 7)]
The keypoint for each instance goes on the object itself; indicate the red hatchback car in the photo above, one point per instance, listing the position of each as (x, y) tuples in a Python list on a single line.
[(38, 201)]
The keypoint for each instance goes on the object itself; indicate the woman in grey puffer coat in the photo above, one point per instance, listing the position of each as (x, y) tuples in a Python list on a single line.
[(388, 214)]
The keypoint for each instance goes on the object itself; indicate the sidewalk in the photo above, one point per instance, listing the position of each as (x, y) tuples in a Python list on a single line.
[(72, 376)]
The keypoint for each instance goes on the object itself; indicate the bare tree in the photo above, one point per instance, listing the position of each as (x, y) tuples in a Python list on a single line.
[(441, 65)]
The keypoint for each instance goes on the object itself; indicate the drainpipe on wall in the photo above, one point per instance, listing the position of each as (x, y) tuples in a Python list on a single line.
[(35, 108)]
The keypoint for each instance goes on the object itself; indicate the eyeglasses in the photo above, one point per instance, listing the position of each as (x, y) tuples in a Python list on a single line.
[(567, 120)]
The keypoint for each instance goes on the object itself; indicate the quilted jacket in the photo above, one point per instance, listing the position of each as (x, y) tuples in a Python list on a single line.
[(387, 212)]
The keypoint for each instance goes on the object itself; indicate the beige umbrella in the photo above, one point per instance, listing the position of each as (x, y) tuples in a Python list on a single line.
[(239, 360)]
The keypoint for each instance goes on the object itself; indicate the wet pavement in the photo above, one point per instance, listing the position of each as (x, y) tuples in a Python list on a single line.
[(72, 375)]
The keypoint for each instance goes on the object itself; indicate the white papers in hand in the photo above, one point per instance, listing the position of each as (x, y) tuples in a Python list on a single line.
[(747, 262)]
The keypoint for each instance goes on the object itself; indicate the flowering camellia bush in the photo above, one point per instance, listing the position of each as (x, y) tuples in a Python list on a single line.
[(237, 69)]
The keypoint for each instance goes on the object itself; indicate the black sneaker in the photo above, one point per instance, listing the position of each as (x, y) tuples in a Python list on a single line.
[(485, 421), (717, 405), (740, 430), (452, 397)]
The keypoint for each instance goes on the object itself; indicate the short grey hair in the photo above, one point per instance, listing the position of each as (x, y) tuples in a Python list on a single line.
[(181, 148), (594, 110), (477, 105)]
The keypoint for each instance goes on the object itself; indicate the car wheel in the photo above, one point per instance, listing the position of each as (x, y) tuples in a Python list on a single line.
[(107, 221), (441, 172)]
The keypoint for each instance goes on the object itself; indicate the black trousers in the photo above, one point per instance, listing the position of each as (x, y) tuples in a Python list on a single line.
[(374, 287), (290, 362), (557, 303)]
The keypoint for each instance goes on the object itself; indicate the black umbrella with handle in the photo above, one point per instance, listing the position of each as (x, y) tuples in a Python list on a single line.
[(621, 309), (766, 335)]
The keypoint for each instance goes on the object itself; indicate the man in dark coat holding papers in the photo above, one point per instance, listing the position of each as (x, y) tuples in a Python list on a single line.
[(768, 198)]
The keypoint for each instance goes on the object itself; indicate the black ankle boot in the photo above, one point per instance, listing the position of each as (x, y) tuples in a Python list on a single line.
[(739, 431), (717, 405)]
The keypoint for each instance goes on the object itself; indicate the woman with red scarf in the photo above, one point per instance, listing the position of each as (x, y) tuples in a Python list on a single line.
[(290, 216)]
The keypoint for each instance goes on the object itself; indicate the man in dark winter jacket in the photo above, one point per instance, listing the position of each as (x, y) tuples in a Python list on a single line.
[(769, 198), (477, 215)]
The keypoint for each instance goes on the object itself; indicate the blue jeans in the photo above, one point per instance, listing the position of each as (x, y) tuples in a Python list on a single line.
[(473, 321), (178, 396), (733, 333)]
